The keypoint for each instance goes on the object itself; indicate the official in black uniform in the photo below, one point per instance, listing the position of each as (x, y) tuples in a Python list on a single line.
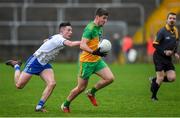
[(165, 43)]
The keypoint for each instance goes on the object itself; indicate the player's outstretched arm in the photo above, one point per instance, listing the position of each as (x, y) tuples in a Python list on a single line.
[(71, 43)]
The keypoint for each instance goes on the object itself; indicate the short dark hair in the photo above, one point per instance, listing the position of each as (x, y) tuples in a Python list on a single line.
[(171, 13), (64, 24), (101, 12)]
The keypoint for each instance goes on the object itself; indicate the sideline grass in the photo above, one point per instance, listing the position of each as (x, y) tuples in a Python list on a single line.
[(128, 96)]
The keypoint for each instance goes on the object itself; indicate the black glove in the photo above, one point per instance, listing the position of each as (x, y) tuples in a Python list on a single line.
[(97, 52)]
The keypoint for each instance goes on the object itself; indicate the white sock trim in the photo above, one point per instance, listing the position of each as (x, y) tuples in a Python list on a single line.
[(38, 107), (16, 65)]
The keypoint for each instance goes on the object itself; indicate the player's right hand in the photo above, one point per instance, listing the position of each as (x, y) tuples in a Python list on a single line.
[(97, 52), (168, 52)]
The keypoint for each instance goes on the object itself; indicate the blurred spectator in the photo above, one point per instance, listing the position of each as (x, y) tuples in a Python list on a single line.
[(127, 44), (115, 46), (150, 49)]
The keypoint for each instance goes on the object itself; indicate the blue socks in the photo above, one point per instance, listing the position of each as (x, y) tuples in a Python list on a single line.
[(40, 105), (16, 67)]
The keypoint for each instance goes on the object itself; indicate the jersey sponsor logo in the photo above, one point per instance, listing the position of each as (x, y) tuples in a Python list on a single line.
[(168, 37)]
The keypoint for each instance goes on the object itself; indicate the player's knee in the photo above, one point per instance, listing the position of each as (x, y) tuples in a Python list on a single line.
[(113, 78), (171, 78), (52, 84), (110, 79), (82, 88), (19, 86), (160, 79)]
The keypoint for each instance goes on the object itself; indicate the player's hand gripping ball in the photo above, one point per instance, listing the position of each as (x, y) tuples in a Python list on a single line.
[(105, 46)]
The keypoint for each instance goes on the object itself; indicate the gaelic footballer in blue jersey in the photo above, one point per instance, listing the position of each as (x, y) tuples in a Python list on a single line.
[(38, 63)]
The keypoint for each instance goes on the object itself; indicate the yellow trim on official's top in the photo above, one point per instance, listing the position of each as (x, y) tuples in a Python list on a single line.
[(175, 30), (176, 33), (167, 27), (154, 42)]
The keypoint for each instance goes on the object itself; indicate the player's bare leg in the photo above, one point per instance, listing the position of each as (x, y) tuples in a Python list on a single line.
[(82, 84), (156, 82), (20, 78), (160, 77), (48, 76), (16, 65), (107, 78), (171, 75)]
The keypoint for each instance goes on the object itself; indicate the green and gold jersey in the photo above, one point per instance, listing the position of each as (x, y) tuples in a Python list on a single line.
[(93, 33)]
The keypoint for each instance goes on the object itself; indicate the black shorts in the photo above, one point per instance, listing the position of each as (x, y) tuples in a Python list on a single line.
[(162, 63)]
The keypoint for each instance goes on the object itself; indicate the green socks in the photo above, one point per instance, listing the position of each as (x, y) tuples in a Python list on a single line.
[(93, 90), (67, 103)]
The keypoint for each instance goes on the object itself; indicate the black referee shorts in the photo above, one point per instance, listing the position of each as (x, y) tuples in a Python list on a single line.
[(162, 63)]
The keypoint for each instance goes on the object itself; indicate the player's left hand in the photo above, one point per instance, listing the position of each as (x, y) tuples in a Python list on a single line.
[(97, 52), (176, 55)]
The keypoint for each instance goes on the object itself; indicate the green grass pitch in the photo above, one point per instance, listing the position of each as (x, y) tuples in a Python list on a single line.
[(127, 96)]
